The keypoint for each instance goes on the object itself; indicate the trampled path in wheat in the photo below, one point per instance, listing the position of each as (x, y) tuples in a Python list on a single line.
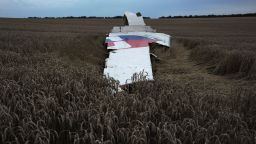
[(179, 67)]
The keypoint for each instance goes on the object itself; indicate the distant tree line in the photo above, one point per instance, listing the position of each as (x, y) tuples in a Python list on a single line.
[(162, 17), (210, 16), (79, 17), (82, 17)]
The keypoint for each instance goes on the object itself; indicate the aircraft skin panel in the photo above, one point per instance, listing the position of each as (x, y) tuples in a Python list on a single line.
[(113, 39), (118, 45), (133, 19), (139, 56), (129, 51), (136, 40), (124, 74), (129, 44), (125, 29), (161, 38), (122, 64)]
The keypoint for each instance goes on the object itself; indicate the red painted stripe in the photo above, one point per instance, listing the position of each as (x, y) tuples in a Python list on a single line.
[(139, 43), (134, 43), (110, 44)]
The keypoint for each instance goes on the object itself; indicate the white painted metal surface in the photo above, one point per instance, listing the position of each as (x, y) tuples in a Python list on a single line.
[(122, 64), (133, 19), (160, 38), (133, 28), (130, 50)]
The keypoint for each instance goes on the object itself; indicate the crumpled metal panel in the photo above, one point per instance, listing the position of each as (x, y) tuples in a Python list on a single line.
[(134, 20), (126, 29), (129, 55), (122, 64), (136, 39)]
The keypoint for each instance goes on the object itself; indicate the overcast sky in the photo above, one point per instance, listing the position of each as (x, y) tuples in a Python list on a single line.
[(152, 8)]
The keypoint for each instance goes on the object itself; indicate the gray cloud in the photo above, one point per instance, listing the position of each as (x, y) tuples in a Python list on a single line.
[(155, 8)]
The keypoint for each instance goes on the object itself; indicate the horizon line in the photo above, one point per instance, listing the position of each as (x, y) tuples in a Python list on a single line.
[(173, 16)]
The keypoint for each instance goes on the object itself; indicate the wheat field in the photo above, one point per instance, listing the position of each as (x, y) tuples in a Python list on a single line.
[(52, 90)]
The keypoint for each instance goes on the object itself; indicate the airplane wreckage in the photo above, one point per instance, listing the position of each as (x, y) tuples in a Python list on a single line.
[(129, 58)]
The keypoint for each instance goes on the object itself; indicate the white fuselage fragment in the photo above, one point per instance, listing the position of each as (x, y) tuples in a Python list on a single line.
[(122, 64), (160, 38), (129, 54), (133, 19)]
